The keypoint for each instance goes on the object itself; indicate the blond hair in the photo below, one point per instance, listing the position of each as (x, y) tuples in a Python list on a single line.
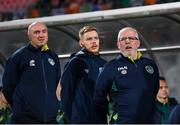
[(86, 29)]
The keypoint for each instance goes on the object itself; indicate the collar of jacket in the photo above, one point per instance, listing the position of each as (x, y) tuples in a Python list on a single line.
[(171, 101), (43, 49), (85, 52), (139, 55), (163, 108), (162, 104)]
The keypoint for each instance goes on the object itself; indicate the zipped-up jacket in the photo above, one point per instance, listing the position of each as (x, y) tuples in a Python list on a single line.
[(78, 81), (131, 87), (174, 117), (29, 84), (163, 110)]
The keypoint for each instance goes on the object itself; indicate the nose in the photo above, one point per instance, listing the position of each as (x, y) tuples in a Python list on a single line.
[(127, 40), (41, 34)]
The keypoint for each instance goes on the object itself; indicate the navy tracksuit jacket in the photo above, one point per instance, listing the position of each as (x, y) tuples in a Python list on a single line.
[(163, 110), (78, 81), (131, 88), (29, 85), (174, 117)]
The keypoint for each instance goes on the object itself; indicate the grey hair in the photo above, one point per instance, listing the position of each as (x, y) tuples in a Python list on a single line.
[(126, 28)]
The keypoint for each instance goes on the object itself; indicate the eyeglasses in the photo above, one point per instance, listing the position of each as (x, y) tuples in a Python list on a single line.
[(131, 38)]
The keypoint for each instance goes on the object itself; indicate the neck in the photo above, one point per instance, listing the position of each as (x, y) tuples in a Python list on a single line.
[(132, 56), (163, 100), (96, 53), (90, 52)]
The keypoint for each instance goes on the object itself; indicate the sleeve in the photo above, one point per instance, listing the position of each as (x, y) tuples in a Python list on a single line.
[(58, 70), (156, 80), (71, 77), (174, 117), (57, 64), (101, 91), (10, 77)]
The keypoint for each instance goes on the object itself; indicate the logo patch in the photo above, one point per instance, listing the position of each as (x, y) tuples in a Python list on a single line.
[(86, 71), (51, 61), (100, 69), (149, 69), (32, 63), (123, 70)]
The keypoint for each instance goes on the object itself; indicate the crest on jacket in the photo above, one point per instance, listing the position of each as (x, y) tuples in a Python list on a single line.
[(149, 69), (51, 61)]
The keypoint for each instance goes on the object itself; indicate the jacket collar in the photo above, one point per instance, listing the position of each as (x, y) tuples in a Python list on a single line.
[(32, 48), (139, 54), (85, 52)]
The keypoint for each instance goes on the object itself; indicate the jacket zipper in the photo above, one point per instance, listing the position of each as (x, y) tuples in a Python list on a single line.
[(45, 83)]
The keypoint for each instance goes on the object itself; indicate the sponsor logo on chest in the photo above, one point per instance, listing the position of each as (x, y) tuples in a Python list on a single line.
[(32, 63), (123, 69)]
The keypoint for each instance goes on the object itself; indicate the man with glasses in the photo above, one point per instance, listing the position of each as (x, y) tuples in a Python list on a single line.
[(130, 82)]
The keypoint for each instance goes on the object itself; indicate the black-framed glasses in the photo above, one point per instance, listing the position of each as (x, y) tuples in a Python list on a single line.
[(131, 38)]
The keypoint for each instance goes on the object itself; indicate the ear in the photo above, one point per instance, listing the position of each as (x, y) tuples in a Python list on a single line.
[(118, 45), (80, 43), (138, 44), (29, 35)]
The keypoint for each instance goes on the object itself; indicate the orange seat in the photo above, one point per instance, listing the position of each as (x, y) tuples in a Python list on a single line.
[(150, 2)]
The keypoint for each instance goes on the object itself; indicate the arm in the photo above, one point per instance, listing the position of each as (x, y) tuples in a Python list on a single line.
[(71, 77), (157, 80), (9, 79), (58, 76), (58, 91), (58, 71), (3, 102), (101, 92)]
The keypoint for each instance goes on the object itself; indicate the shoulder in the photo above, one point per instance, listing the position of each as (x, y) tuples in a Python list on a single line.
[(176, 110), (53, 53), (173, 101), (174, 117), (102, 60), (75, 62), (75, 65), (114, 61), (18, 53), (147, 60), (78, 61), (111, 65)]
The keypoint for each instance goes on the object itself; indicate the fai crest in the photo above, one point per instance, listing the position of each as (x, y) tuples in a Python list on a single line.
[(51, 61), (149, 69)]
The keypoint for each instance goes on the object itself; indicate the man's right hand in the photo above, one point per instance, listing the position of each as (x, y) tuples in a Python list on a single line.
[(3, 101)]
